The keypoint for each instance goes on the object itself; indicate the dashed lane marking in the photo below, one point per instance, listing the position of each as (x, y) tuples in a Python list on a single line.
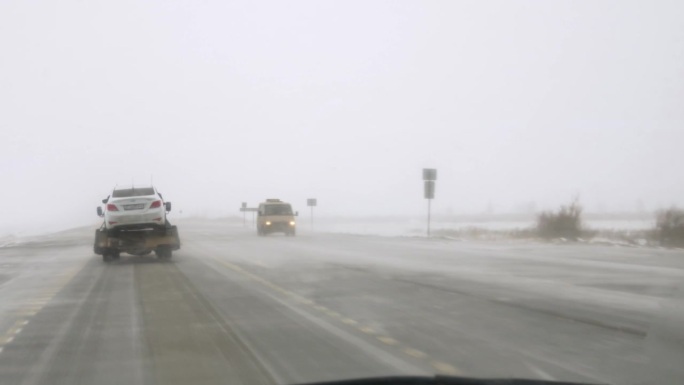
[(387, 340), (415, 353), (26, 312), (33, 306), (439, 366), (445, 368)]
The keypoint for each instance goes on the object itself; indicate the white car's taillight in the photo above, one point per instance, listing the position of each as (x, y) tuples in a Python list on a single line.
[(111, 207), (155, 204)]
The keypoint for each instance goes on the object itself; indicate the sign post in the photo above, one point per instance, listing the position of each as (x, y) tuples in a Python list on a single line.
[(429, 178), (312, 202), (245, 210), (244, 214)]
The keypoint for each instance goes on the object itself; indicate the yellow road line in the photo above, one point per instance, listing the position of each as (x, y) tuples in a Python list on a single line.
[(440, 366), (33, 306), (387, 340), (445, 368), (26, 312), (414, 353)]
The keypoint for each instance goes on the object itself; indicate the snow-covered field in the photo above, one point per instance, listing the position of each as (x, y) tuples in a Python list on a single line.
[(418, 227), (389, 228)]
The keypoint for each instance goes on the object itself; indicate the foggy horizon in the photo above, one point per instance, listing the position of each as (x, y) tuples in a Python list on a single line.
[(222, 103)]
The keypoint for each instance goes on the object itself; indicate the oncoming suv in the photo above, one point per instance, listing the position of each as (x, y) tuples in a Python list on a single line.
[(276, 216)]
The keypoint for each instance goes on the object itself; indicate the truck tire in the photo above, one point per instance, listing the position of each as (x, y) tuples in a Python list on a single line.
[(109, 255), (97, 249), (164, 252)]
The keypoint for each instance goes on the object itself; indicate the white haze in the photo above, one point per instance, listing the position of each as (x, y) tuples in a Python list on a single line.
[(223, 102)]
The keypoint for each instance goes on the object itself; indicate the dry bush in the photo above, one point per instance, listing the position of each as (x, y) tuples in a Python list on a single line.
[(564, 223), (670, 227)]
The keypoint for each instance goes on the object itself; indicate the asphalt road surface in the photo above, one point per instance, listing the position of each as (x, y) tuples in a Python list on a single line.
[(234, 308)]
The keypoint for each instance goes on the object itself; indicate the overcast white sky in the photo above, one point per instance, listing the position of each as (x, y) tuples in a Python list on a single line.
[(224, 102)]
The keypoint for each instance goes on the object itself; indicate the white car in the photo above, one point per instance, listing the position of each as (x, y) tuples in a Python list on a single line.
[(135, 208)]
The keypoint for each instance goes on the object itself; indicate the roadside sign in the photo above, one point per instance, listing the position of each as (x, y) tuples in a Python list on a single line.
[(244, 209), (429, 178), (312, 202), (429, 189), (429, 174)]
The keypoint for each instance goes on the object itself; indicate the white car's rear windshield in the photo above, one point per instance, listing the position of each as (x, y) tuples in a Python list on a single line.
[(133, 192)]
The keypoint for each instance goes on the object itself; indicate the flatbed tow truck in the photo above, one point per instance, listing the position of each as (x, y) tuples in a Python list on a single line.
[(135, 222), (138, 242)]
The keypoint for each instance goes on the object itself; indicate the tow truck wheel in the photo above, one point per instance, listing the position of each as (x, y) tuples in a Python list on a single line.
[(99, 234), (110, 255), (164, 252)]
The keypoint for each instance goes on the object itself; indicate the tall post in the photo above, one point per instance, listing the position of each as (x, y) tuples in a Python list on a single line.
[(428, 222), (312, 202), (429, 178)]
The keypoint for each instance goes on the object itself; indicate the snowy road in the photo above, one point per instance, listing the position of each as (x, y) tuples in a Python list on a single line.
[(232, 308)]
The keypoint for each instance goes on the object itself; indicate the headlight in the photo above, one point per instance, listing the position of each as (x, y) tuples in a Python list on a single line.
[(268, 223), (292, 223)]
